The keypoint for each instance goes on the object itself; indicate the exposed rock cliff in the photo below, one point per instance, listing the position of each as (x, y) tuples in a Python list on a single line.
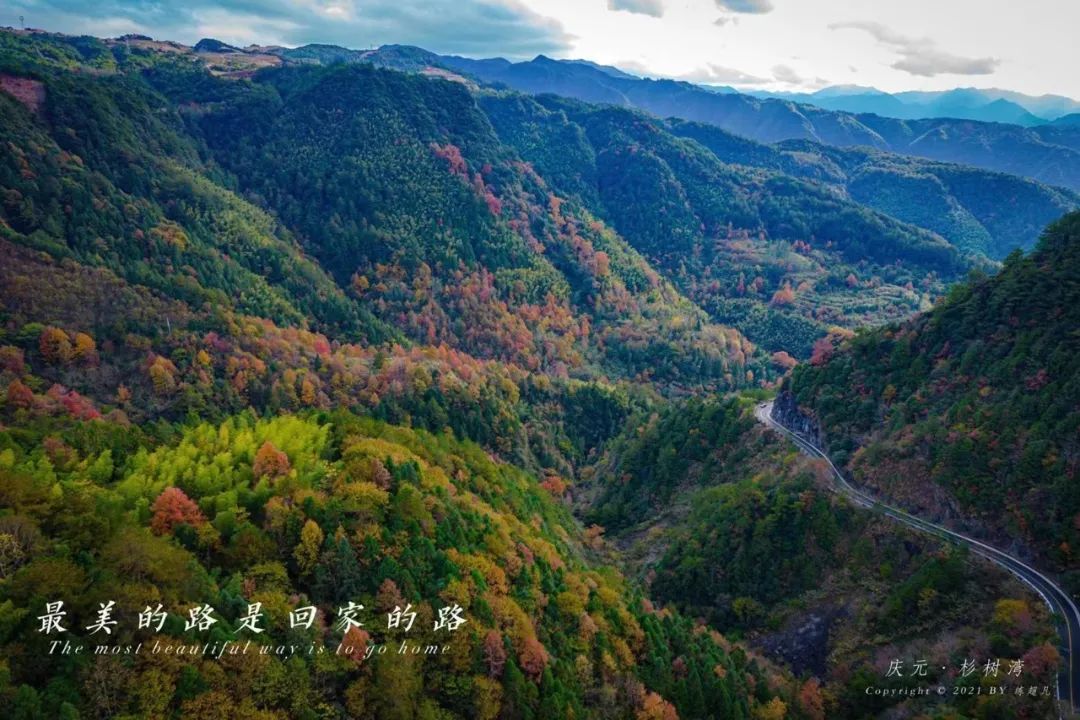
[(788, 413)]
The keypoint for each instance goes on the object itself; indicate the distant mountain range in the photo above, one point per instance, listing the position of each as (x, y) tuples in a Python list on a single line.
[(1049, 153), (992, 105), (985, 105), (994, 129)]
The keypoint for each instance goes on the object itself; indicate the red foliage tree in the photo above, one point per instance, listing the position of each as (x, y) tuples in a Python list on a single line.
[(173, 508), (355, 643), (1040, 659), (494, 653), (810, 701), (533, 658), (823, 350), (79, 406), (452, 155), (19, 395), (783, 360)]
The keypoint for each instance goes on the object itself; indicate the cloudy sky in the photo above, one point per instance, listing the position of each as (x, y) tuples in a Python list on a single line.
[(781, 44)]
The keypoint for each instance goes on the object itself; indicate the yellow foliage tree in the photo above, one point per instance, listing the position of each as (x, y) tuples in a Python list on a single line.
[(307, 550), (55, 346), (775, 709)]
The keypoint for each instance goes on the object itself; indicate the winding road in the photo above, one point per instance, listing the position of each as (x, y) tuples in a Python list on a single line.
[(1059, 601)]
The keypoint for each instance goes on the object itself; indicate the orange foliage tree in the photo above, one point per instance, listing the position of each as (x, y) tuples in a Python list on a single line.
[(55, 346), (270, 462), (654, 707), (173, 508)]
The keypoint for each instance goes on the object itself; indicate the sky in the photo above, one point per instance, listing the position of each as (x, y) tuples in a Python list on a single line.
[(780, 45)]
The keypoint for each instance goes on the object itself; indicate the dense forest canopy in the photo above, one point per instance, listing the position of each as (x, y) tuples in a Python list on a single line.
[(977, 397)]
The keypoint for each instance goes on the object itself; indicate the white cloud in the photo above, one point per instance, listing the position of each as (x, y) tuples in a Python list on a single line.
[(922, 48), (653, 8), (921, 56), (786, 74), (754, 7), (709, 74), (469, 27), (712, 74)]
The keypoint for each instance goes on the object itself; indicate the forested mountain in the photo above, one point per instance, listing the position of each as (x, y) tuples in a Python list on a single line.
[(969, 412), (762, 228), (497, 267), (723, 521), (980, 212), (1047, 156), (778, 257)]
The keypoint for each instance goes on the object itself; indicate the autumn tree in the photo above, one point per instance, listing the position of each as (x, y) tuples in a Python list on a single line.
[(307, 550), (162, 373), (173, 507), (494, 653), (1013, 616), (389, 596), (810, 701), (270, 462), (783, 360), (487, 698), (555, 485), (824, 348), (380, 475), (355, 643), (55, 346), (784, 296), (85, 349), (19, 395), (12, 360), (1041, 659), (533, 657), (654, 707), (12, 555), (775, 709)]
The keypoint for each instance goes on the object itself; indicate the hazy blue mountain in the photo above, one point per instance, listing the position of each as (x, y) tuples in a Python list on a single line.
[(1052, 158), (988, 105), (1072, 119), (967, 104)]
